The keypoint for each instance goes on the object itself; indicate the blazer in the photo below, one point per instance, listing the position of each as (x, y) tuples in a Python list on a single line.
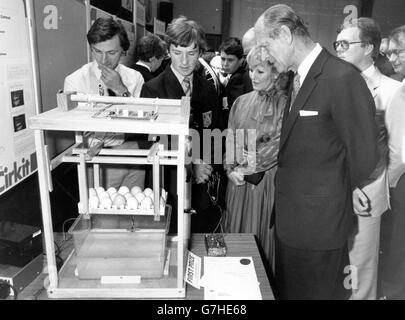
[(382, 89), (204, 99), (204, 114), (328, 145), (145, 72)]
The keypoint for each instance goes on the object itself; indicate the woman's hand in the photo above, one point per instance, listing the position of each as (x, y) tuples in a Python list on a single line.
[(237, 178)]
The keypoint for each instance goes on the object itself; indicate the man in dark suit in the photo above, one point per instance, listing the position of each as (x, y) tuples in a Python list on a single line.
[(328, 146), (186, 41), (150, 52)]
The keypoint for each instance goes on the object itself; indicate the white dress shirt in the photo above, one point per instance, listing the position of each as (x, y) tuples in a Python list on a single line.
[(307, 63), (181, 77), (395, 118), (87, 80)]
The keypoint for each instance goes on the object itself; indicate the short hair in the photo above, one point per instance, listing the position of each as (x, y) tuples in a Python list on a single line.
[(281, 14), (398, 35), (104, 29), (232, 46), (150, 46), (184, 32), (248, 40), (370, 32), (259, 54)]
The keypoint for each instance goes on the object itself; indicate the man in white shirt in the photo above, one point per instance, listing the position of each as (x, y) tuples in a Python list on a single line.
[(105, 76), (393, 275), (328, 146), (358, 42)]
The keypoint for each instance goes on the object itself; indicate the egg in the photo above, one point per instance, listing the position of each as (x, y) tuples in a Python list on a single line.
[(94, 201), (136, 190), (119, 201), (123, 190), (146, 203), (112, 197), (111, 191), (106, 203), (99, 190), (104, 195), (140, 196), (128, 195), (132, 203), (92, 192), (148, 192)]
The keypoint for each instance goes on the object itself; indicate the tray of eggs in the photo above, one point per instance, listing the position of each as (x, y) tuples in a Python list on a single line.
[(125, 201)]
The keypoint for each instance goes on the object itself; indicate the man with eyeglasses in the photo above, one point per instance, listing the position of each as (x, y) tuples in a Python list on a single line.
[(358, 43), (393, 274), (105, 76), (396, 51)]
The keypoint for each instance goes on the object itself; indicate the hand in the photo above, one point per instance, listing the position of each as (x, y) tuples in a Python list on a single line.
[(237, 178), (361, 203), (112, 80), (202, 172)]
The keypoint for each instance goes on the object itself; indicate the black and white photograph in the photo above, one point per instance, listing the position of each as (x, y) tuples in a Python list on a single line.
[(19, 123), (205, 159), (17, 98)]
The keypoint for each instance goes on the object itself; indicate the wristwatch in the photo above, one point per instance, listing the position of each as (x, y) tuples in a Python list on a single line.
[(126, 94)]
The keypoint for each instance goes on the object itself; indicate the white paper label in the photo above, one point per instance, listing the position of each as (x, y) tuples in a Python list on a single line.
[(193, 270)]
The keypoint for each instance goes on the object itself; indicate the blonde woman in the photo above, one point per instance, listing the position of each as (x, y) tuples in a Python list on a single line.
[(251, 151)]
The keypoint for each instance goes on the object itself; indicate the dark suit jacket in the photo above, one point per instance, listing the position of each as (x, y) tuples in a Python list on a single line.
[(322, 158), (204, 99), (239, 83), (146, 74)]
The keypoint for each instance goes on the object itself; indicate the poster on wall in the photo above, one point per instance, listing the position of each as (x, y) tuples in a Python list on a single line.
[(159, 27), (17, 148)]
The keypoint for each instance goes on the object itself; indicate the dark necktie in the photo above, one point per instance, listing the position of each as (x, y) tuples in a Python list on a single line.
[(186, 84), (296, 88), (111, 93)]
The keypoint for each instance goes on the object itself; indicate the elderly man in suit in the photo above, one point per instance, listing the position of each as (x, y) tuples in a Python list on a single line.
[(328, 146), (393, 275), (358, 42), (186, 41)]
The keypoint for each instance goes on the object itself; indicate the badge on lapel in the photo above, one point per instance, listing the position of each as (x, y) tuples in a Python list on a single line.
[(207, 119)]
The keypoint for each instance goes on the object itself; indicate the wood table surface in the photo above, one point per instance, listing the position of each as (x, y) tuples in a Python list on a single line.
[(238, 245)]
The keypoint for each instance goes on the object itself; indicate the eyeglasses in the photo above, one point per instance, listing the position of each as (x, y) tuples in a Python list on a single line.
[(345, 44), (396, 52)]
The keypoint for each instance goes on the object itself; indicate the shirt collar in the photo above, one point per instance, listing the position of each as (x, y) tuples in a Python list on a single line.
[(369, 72), (181, 77), (140, 63), (307, 63)]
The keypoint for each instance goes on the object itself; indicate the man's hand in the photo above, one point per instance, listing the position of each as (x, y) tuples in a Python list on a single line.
[(112, 80), (202, 172), (361, 203), (237, 178)]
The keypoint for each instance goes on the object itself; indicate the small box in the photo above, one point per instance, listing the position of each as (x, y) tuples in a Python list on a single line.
[(64, 100), (120, 245)]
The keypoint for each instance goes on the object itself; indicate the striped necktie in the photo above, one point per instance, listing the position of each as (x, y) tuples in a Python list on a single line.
[(186, 84), (296, 88)]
